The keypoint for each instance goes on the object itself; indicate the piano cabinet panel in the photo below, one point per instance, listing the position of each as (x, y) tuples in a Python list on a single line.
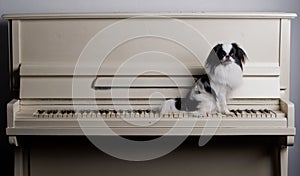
[(228, 156), (53, 41)]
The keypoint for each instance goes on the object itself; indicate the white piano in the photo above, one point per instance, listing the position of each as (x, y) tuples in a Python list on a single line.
[(84, 79)]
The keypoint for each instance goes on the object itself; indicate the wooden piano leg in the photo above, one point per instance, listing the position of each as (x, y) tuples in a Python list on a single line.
[(284, 155), (21, 162), (284, 161)]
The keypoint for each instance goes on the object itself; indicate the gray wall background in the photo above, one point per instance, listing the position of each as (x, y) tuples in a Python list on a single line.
[(65, 6)]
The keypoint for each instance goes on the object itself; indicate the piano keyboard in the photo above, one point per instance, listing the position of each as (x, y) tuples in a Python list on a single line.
[(245, 113)]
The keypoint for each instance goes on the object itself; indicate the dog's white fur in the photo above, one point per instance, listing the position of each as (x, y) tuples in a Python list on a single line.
[(169, 107), (223, 79)]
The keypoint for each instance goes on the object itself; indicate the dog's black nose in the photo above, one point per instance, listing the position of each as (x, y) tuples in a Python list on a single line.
[(227, 57)]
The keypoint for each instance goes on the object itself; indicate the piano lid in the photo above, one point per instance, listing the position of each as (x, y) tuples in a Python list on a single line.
[(227, 15)]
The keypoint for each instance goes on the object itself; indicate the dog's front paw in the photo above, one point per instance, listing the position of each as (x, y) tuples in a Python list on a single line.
[(226, 111)]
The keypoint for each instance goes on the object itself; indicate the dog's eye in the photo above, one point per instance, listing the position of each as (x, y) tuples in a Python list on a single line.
[(232, 54), (197, 92)]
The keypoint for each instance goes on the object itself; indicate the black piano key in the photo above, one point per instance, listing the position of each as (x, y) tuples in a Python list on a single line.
[(40, 111), (253, 111), (140, 111), (54, 111), (267, 111), (261, 111), (233, 111), (239, 111), (247, 110), (147, 110)]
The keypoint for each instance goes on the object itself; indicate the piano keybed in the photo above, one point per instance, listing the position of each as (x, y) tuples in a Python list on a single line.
[(68, 120), (106, 114)]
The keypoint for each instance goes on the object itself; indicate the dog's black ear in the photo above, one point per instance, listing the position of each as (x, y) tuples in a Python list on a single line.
[(217, 48), (240, 52), (213, 60)]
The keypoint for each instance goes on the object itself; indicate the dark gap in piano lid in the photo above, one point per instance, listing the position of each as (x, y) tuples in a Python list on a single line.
[(141, 138)]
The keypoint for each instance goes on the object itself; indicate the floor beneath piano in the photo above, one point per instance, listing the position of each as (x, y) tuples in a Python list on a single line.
[(222, 156)]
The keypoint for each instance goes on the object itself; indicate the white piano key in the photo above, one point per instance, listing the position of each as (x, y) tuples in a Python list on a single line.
[(118, 114), (93, 115), (146, 115), (176, 115), (185, 115), (35, 114), (152, 114), (77, 115), (112, 115)]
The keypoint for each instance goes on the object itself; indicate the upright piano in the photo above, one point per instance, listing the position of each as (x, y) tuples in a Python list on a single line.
[(88, 87)]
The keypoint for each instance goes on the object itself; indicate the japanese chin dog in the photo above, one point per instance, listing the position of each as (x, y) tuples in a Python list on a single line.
[(224, 73)]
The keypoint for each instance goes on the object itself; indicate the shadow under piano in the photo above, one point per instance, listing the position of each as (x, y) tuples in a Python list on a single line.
[(88, 88)]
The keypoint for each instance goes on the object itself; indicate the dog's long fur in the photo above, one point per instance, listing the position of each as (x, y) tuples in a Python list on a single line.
[(224, 68)]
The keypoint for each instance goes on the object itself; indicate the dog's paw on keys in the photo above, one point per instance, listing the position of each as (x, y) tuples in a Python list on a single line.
[(227, 112)]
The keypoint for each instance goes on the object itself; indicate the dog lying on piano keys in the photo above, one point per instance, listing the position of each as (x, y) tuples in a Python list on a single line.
[(224, 73)]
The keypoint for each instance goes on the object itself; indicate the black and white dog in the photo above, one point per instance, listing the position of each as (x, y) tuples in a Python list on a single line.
[(224, 68)]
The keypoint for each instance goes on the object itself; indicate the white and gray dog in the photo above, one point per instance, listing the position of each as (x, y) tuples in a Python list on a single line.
[(224, 68)]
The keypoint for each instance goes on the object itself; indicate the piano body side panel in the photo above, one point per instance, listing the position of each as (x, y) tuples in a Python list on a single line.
[(15, 56), (16, 44), (286, 106), (285, 58), (12, 108)]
